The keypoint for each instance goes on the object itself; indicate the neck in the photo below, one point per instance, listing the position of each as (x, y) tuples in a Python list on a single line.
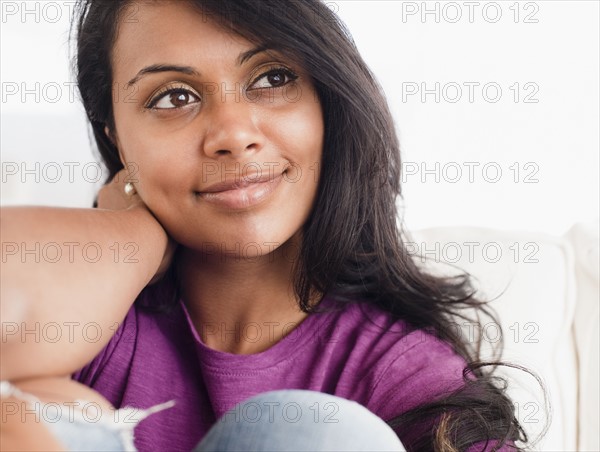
[(240, 305)]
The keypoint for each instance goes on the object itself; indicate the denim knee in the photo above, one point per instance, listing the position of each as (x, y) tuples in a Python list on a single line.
[(296, 420)]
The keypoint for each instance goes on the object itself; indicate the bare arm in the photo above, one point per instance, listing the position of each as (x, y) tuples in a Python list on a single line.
[(25, 423), (68, 276)]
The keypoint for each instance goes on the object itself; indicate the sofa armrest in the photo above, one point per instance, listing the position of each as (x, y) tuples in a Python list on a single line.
[(583, 238)]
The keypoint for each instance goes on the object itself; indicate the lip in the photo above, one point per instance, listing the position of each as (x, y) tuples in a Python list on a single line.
[(240, 194), (240, 182)]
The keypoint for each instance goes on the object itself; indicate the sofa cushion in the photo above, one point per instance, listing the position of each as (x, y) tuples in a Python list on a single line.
[(530, 278)]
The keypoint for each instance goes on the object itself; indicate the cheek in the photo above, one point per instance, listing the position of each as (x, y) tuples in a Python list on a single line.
[(162, 162), (300, 132), (160, 175)]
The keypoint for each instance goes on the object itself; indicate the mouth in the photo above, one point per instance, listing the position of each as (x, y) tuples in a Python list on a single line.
[(240, 194)]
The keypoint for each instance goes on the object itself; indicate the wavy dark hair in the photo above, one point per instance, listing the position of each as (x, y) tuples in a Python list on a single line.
[(354, 245)]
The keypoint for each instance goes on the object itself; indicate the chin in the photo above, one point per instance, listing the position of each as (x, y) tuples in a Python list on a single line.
[(237, 245)]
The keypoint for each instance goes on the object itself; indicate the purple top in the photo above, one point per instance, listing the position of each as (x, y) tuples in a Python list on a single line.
[(356, 352)]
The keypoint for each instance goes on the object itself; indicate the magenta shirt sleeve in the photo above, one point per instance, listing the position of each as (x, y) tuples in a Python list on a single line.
[(114, 358), (424, 369)]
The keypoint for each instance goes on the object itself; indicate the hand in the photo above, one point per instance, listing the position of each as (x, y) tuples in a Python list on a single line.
[(112, 196)]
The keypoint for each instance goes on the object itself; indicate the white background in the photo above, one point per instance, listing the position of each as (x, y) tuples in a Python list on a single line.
[(550, 49)]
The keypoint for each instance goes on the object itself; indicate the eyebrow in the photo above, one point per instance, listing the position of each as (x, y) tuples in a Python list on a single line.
[(245, 56), (188, 70), (155, 68)]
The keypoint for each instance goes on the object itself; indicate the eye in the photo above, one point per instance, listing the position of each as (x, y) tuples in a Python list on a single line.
[(172, 98), (274, 79)]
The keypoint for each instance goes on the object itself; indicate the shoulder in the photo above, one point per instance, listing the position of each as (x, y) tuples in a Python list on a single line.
[(113, 363), (366, 324), (405, 366)]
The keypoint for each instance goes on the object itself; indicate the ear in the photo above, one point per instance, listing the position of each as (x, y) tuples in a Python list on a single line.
[(115, 141)]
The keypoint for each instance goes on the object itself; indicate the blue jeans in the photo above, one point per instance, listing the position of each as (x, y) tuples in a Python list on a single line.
[(299, 420), (284, 420)]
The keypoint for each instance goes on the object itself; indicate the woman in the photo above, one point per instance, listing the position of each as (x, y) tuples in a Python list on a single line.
[(253, 170)]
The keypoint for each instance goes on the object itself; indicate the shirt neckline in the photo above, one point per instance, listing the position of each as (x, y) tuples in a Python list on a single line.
[(286, 348)]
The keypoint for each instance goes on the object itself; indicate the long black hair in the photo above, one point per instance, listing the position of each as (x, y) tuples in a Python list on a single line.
[(354, 242)]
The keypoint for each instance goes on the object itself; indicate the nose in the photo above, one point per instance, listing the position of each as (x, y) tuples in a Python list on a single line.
[(230, 129)]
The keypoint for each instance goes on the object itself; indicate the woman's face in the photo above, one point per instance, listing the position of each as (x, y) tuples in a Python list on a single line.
[(195, 106)]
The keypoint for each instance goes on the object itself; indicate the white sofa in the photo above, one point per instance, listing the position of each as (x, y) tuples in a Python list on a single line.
[(545, 291)]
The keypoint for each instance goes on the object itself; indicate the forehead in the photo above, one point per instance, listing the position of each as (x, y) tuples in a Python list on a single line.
[(151, 32)]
